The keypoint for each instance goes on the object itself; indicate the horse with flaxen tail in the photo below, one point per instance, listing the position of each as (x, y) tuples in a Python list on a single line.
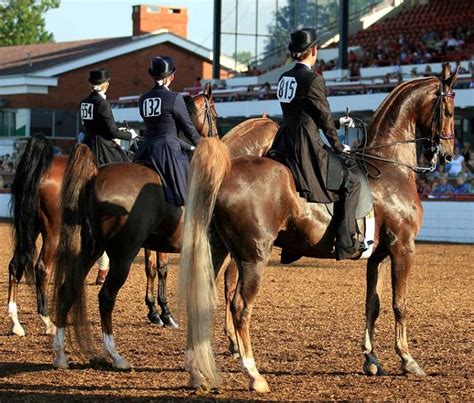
[(254, 205)]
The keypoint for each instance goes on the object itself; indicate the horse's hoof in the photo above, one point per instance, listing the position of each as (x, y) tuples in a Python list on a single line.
[(154, 318), (169, 322), (259, 384), (17, 330), (60, 362), (196, 382), (413, 368), (373, 368), (121, 364)]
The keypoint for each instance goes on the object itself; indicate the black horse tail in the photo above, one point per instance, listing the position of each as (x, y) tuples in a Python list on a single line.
[(34, 162), (76, 245), (210, 166)]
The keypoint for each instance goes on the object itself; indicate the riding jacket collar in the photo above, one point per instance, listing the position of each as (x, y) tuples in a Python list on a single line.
[(304, 64)]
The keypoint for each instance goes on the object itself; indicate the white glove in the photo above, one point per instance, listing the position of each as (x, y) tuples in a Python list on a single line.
[(346, 149), (133, 133), (192, 148), (346, 121)]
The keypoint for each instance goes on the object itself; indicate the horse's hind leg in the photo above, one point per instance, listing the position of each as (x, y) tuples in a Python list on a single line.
[(14, 277), (118, 273), (150, 270), (231, 277), (247, 287), (372, 309), (43, 269), (402, 254), (166, 316)]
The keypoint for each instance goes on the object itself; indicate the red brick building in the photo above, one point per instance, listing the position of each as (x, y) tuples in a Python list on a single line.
[(41, 85)]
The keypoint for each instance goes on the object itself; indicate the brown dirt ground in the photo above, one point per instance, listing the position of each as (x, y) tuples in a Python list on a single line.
[(307, 328)]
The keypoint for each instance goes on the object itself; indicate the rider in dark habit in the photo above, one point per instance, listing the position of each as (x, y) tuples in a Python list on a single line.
[(164, 112), (320, 176)]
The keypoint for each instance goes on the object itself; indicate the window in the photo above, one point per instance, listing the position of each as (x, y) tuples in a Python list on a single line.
[(65, 123), (42, 122), (7, 123)]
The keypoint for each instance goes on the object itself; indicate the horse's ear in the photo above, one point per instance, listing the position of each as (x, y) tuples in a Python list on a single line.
[(446, 71), (208, 91), (449, 81)]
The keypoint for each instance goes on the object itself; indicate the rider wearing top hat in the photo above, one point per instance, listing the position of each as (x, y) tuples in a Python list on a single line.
[(320, 176), (99, 123), (164, 113)]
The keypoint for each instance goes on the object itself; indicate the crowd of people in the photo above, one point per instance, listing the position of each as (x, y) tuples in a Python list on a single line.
[(451, 179)]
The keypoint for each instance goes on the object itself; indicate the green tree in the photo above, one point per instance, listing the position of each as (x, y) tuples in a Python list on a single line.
[(22, 21), (242, 57)]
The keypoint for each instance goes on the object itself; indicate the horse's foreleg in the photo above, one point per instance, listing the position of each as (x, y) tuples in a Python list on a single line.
[(403, 256), (150, 270), (15, 275), (231, 277), (372, 309), (242, 305), (118, 273), (166, 316)]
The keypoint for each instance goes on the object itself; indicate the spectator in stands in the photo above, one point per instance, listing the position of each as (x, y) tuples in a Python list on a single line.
[(462, 187), (423, 188), (466, 151), (2, 182), (428, 72), (264, 91), (456, 166), (443, 188)]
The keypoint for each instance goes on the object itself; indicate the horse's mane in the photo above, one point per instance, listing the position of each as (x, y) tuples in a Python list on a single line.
[(390, 111), (190, 106)]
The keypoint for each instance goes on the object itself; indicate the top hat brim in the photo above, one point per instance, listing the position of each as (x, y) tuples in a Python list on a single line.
[(101, 81), (161, 76), (299, 49)]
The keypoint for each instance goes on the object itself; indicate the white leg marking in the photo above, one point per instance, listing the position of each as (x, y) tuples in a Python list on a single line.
[(256, 382), (117, 360), (369, 235), (15, 325), (103, 262), (60, 361), (50, 328), (367, 343)]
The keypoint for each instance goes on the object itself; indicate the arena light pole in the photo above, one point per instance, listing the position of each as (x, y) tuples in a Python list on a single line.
[(343, 33)]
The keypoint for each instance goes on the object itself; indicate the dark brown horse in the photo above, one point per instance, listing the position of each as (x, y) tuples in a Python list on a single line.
[(98, 215), (36, 210), (252, 205)]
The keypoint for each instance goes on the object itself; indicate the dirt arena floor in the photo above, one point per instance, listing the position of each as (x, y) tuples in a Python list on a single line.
[(307, 329)]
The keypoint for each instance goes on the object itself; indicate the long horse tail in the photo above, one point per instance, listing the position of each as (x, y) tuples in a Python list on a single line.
[(210, 166), (34, 162), (76, 244)]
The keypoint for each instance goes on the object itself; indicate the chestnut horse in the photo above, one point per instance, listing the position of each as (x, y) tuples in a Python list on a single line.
[(36, 210), (99, 215), (251, 204)]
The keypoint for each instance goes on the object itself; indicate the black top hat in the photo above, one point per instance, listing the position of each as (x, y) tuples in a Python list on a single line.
[(98, 76), (161, 67), (303, 39)]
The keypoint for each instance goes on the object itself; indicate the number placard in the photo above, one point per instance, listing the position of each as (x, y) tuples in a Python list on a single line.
[(286, 89), (151, 107), (87, 111)]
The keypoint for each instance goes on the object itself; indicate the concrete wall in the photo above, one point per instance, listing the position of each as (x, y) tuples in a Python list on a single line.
[(444, 221)]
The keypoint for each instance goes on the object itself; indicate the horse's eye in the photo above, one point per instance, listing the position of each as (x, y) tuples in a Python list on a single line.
[(448, 114)]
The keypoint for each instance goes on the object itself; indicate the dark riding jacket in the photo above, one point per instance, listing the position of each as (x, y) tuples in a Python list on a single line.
[(302, 95), (101, 130), (164, 113)]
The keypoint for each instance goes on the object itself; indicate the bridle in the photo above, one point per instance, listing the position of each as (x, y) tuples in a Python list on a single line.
[(434, 140), (207, 110)]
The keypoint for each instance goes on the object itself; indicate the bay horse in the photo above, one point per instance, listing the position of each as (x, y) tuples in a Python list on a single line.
[(98, 215), (250, 204), (36, 192)]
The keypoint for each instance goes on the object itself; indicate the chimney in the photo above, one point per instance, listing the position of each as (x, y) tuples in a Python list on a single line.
[(147, 19)]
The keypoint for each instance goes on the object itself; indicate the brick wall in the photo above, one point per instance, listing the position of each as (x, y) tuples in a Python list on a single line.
[(129, 77), (148, 18)]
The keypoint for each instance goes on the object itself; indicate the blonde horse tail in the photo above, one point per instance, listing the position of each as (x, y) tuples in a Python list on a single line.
[(210, 166), (75, 245)]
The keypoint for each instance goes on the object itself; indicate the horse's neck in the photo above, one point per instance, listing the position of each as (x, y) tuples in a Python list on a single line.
[(394, 125)]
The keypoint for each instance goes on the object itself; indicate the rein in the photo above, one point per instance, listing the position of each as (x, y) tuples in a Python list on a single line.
[(434, 140)]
